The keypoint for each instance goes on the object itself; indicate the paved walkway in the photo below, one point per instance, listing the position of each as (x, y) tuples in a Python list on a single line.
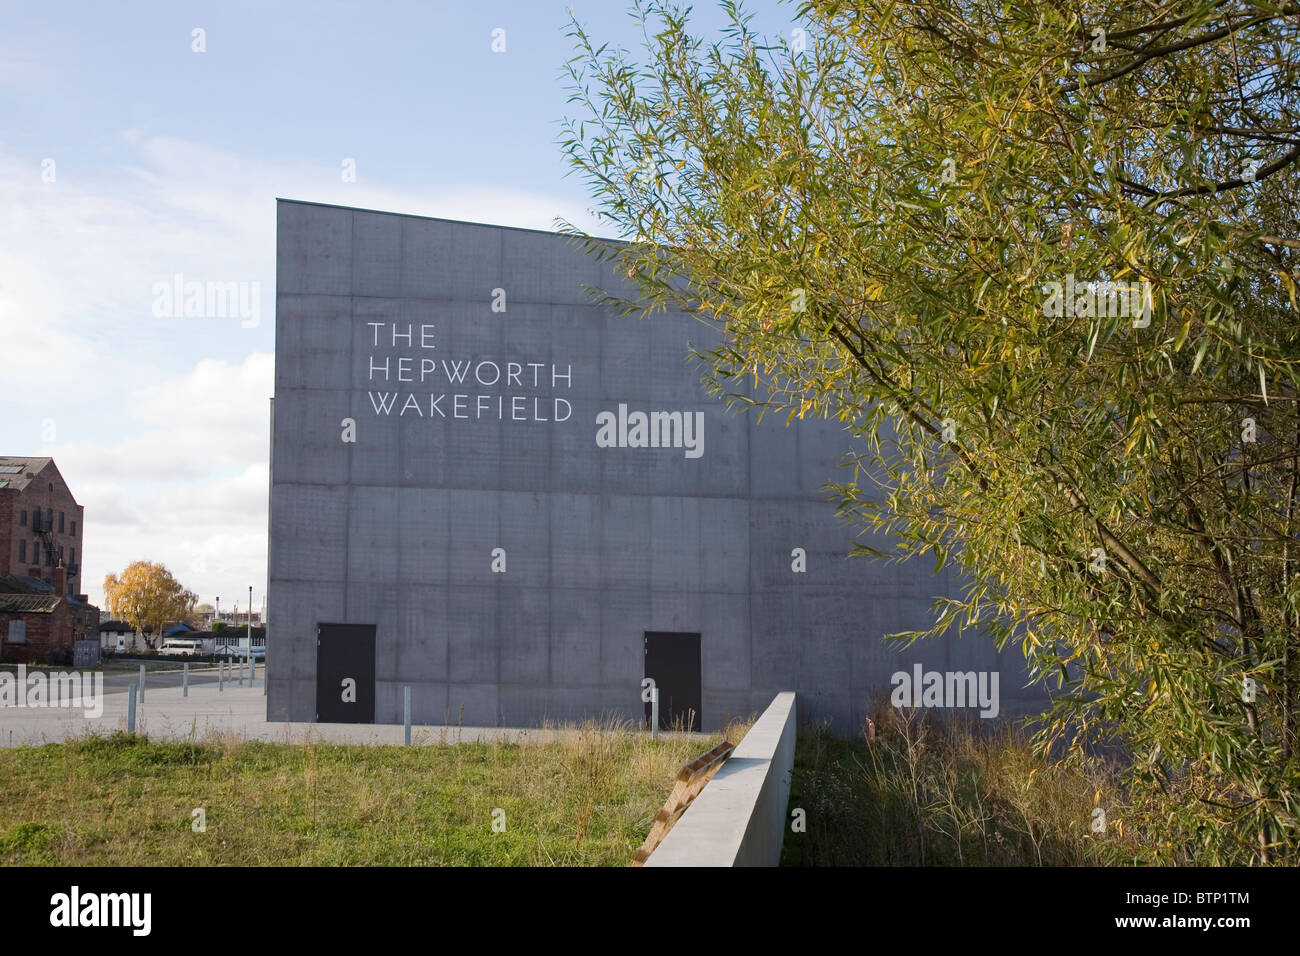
[(236, 712)]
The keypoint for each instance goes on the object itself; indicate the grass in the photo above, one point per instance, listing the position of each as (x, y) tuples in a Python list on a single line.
[(947, 793), (587, 799)]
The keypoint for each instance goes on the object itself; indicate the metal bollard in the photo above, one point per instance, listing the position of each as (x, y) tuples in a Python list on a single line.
[(654, 713), (185, 679), (142, 683), (221, 676), (407, 711), (130, 709)]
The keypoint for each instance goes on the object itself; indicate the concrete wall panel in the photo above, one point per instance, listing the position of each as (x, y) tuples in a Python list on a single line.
[(477, 429)]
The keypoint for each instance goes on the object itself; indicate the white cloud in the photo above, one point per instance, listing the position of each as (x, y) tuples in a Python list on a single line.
[(191, 490), (79, 256), (215, 418), (107, 503)]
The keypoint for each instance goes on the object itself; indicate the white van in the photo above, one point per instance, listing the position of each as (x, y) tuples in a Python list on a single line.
[(181, 647)]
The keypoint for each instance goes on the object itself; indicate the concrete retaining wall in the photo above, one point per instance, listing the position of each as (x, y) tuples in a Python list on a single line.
[(739, 818)]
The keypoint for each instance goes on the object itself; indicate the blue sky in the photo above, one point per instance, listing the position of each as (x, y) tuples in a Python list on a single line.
[(127, 158)]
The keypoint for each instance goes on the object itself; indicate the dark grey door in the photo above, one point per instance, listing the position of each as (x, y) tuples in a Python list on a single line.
[(673, 661), (345, 673)]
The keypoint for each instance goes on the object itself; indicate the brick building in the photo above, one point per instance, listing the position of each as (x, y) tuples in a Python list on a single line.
[(40, 521), (40, 620), (41, 527)]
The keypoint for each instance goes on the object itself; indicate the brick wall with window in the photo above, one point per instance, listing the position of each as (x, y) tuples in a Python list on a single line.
[(36, 637), (10, 531), (28, 505)]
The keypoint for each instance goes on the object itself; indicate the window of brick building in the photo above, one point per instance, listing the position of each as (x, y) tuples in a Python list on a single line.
[(22, 518), (49, 519), (74, 529), (74, 556), (60, 522), (22, 551)]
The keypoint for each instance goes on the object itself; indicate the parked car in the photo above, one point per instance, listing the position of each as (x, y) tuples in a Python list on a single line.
[(181, 647)]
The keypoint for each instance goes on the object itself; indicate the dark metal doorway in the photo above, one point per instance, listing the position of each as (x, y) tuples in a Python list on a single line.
[(345, 673), (672, 660)]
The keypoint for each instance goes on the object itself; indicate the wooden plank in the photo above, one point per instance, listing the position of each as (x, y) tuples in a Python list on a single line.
[(691, 779)]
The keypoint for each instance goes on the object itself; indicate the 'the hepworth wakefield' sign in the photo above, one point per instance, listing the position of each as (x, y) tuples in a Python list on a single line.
[(405, 358)]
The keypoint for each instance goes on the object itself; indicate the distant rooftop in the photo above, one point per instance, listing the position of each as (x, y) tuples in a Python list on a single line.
[(21, 584), (29, 603), (17, 473)]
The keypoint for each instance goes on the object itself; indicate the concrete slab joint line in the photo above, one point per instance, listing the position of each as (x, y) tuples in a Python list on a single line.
[(739, 818)]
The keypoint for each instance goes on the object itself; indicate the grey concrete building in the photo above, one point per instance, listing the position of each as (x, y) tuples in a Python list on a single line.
[(519, 504)]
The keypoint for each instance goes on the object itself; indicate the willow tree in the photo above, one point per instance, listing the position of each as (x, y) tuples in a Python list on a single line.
[(1041, 259), (147, 596)]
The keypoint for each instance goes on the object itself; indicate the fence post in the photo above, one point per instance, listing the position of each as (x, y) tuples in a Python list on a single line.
[(142, 683), (406, 708), (654, 712), (130, 709), (185, 679), (221, 676)]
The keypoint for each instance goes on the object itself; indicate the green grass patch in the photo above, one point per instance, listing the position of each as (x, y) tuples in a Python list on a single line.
[(585, 800)]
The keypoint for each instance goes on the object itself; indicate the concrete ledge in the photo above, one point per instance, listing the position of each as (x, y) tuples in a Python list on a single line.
[(739, 817)]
